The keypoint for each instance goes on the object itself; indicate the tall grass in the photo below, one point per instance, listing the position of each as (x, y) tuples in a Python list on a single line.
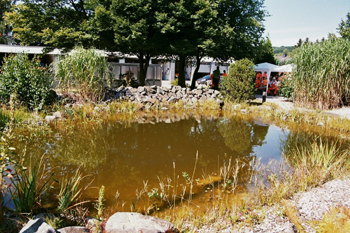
[(322, 74), (84, 71)]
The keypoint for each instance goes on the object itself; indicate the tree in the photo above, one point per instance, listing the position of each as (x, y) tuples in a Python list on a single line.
[(344, 27), (190, 28), (53, 23), (222, 29), (5, 5), (136, 30), (265, 52)]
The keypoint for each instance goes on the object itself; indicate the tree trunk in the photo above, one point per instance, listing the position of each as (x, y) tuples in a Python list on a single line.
[(144, 63), (181, 77), (195, 76)]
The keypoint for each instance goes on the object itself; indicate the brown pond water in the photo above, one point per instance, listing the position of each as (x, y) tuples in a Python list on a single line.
[(125, 156)]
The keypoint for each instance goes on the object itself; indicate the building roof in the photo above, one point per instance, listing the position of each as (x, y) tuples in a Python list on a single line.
[(26, 49)]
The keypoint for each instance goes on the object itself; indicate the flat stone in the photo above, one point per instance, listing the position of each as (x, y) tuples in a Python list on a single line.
[(134, 222), (73, 230)]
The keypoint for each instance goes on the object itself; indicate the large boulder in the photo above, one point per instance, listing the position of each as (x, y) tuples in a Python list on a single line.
[(37, 226), (122, 222)]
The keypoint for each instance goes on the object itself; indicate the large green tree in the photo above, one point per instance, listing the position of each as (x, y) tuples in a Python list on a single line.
[(5, 5), (344, 27), (222, 29), (53, 23), (265, 52), (136, 30)]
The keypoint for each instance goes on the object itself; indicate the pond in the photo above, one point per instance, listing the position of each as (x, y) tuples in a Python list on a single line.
[(127, 157)]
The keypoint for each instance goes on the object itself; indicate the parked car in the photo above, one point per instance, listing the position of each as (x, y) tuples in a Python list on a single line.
[(204, 80)]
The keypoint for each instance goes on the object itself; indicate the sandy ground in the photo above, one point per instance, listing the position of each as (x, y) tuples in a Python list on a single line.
[(284, 103)]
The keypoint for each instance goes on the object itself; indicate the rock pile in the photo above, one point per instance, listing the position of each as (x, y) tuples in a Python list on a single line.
[(155, 94), (120, 222)]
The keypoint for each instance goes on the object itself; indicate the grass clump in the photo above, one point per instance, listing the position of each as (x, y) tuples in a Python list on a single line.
[(336, 220), (85, 72)]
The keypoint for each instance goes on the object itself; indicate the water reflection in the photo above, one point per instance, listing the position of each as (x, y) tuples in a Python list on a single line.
[(122, 156)]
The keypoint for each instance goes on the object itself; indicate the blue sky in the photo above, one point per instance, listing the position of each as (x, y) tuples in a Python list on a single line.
[(294, 19)]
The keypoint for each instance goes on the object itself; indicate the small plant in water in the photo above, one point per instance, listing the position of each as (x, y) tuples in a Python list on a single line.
[(99, 205)]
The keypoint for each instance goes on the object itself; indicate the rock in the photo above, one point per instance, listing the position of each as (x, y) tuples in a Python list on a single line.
[(244, 111), (57, 115), (134, 222), (49, 118), (141, 89), (73, 230), (168, 121), (320, 124), (37, 226)]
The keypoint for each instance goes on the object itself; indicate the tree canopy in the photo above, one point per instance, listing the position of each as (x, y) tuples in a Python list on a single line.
[(5, 5), (182, 29), (344, 27), (265, 52)]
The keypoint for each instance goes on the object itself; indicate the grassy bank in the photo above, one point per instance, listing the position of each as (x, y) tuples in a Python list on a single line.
[(227, 206)]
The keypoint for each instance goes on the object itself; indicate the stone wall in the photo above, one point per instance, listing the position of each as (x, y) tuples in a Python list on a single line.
[(156, 94)]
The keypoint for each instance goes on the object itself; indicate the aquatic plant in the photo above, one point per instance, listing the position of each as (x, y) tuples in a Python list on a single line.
[(30, 186), (99, 206), (70, 192)]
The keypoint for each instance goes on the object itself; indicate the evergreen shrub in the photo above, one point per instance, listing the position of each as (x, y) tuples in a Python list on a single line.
[(239, 85), (26, 80)]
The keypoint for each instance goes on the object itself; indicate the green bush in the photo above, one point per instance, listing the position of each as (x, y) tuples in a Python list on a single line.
[(239, 85), (322, 74), (26, 80), (84, 71)]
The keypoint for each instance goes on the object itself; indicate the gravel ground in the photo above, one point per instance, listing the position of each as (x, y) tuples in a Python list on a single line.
[(285, 104)]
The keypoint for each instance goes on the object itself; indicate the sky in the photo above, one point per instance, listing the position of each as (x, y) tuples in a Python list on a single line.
[(291, 20)]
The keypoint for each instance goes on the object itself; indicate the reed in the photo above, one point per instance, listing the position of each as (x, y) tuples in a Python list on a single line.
[(321, 75)]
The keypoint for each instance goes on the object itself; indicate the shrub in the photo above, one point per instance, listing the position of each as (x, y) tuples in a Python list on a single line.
[(239, 84), (322, 74), (84, 71), (286, 88), (26, 80)]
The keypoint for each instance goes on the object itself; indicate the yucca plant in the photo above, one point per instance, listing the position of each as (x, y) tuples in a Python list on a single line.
[(84, 71), (322, 74)]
